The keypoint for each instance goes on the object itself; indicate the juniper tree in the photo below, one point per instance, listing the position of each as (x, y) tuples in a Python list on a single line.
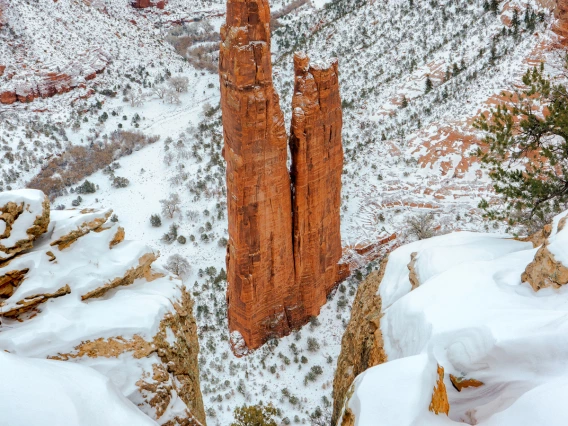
[(428, 85), (526, 152)]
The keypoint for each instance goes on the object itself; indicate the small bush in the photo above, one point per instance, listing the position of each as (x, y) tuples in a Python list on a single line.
[(156, 220), (120, 182), (313, 345), (182, 239), (86, 188), (255, 415)]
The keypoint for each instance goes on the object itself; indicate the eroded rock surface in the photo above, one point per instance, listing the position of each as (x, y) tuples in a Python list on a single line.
[(260, 265), (439, 403), (317, 164), (282, 255), (85, 295), (361, 345), (548, 269), (143, 4), (24, 216), (561, 15), (25, 84)]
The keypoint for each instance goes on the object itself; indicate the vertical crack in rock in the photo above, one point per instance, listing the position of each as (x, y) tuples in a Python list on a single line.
[(317, 164)]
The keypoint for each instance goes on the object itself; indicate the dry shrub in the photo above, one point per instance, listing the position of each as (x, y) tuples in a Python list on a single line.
[(78, 162)]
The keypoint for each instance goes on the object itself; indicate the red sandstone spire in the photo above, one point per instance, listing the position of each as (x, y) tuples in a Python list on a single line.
[(260, 268), (317, 163)]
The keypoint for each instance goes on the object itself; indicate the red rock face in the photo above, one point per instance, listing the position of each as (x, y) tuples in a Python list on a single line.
[(317, 163), (277, 277), (8, 98), (260, 267), (143, 4), (27, 85), (561, 15)]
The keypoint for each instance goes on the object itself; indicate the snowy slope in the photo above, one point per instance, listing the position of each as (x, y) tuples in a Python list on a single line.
[(473, 316), (33, 391)]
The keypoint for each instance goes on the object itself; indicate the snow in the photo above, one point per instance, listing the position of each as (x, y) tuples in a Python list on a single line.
[(558, 241), (473, 316), (438, 254), (414, 376), (41, 392)]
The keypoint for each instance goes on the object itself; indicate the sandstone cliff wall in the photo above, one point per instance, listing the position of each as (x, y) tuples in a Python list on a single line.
[(561, 15)]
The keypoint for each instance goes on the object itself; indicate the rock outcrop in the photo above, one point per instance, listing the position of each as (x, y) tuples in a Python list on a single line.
[(439, 403), (281, 259), (546, 270), (85, 295), (317, 164), (260, 266), (560, 27), (362, 342), (24, 216), (143, 4), (25, 85)]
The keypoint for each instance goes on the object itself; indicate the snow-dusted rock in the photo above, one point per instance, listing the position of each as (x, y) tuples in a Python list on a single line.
[(24, 216), (550, 265), (84, 295), (472, 334)]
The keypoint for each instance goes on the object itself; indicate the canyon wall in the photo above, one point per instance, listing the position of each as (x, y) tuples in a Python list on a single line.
[(284, 238), (362, 342), (317, 163), (260, 268)]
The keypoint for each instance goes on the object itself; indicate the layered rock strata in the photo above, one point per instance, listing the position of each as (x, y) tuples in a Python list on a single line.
[(78, 292), (317, 164), (284, 241), (25, 85), (260, 265)]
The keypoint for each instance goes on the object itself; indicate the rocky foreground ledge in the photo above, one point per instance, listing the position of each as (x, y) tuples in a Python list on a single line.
[(91, 332), (464, 328)]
